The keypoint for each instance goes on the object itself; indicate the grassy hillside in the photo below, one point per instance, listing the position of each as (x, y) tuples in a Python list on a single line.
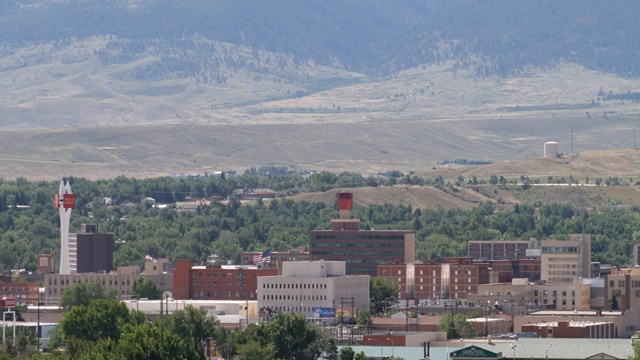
[(72, 116), (599, 165)]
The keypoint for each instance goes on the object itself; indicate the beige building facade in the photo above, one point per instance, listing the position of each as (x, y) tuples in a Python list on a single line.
[(562, 261), (121, 281), (520, 292)]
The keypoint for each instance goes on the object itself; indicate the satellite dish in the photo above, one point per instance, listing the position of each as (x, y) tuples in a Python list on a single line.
[(167, 295)]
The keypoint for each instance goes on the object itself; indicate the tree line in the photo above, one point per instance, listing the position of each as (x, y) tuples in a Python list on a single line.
[(226, 229)]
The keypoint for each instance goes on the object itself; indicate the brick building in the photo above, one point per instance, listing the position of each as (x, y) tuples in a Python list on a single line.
[(461, 277), (504, 270), (24, 293), (216, 282), (455, 278), (428, 281), (361, 250), (572, 329)]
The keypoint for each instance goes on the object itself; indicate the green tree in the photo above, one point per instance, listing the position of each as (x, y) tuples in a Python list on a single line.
[(331, 352), (363, 318), (253, 350), (294, 337), (346, 353), (146, 341), (360, 356), (446, 325), (101, 319), (83, 293), (146, 289), (455, 326), (381, 290), (192, 324), (636, 350)]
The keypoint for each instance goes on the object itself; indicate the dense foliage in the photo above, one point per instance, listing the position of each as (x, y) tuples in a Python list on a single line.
[(228, 228)]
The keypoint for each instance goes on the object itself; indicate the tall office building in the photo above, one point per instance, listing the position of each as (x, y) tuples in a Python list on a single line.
[(562, 261), (361, 250), (90, 251)]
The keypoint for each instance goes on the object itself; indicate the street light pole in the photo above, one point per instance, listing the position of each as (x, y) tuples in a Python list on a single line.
[(38, 332), (381, 347), (392, 347)]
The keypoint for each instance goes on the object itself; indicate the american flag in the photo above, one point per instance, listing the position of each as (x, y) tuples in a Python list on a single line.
[(264, 257)]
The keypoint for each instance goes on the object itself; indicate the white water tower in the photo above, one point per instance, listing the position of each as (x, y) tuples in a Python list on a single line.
[(551, 149)]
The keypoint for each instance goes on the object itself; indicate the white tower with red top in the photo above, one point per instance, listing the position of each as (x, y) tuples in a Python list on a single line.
[(64, 201)]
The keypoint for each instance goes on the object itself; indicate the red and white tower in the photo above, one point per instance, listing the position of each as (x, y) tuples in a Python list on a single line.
[(64, 201)]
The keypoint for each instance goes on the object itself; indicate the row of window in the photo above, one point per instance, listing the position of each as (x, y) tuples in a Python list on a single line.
[(358, 245), (559, 249), (295, 297), (293, 286), (563, 266), (74, 281), (554, 293), (357, 237), (215, 283), (238, 274), (318, 254), (223, 295), (10, 288), (111, 282)]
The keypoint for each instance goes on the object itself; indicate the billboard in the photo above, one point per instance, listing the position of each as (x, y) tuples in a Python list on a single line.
[(69, 201), (346, 312), (324, 312)]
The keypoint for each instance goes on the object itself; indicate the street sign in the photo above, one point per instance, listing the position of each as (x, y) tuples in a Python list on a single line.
[(8, 302)]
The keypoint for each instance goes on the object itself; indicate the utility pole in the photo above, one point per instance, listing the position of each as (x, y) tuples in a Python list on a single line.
[(417, 313), (244, 294), (406, 312)]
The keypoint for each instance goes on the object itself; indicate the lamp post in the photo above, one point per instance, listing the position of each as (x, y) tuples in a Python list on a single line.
[(392, 347), (381, 347), (38, 332)]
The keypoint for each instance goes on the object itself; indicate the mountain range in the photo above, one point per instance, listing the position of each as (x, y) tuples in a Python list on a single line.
[(154, 87)]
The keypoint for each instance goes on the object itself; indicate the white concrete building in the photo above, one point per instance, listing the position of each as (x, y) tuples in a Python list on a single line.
[(305, 286)]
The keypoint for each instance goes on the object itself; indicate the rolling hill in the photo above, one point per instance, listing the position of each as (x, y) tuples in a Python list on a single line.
[(147, 88)]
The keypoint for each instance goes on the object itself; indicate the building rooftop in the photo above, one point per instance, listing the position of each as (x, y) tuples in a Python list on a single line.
[(524, 349), (574, 313)]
